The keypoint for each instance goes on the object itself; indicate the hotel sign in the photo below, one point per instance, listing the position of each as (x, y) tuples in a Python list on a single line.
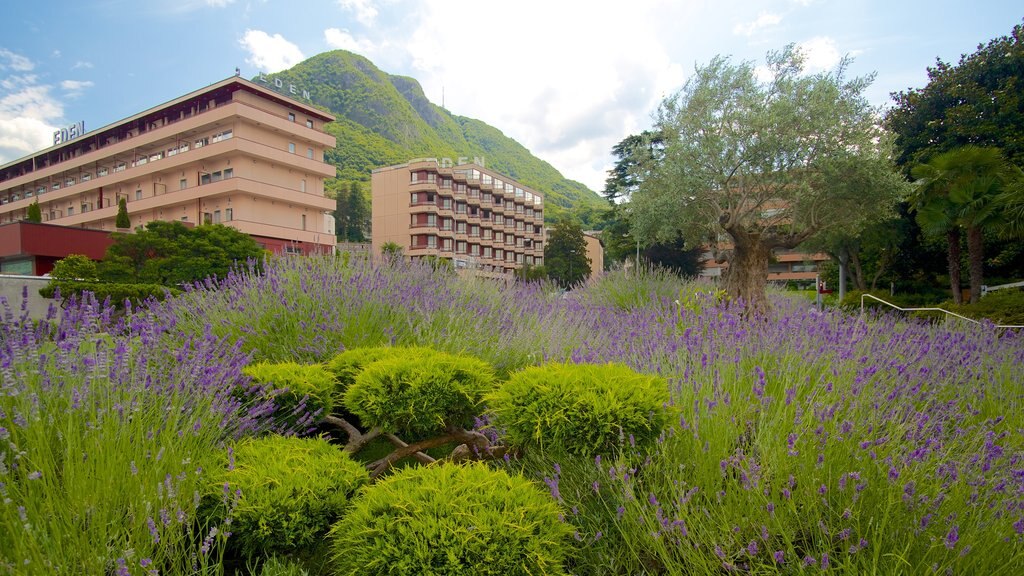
[(447, 162), (69, 132), (284, 88)]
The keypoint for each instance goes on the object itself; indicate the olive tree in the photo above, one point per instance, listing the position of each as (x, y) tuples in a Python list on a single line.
[(758, 159)]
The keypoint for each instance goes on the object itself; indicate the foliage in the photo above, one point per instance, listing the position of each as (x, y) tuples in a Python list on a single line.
[(122, 220), (636, 155), (384, 119), (391, 250), (1000, 307), (275, 566), (764, 164), (530, 273), (292, 491), (74, 267), (350, 363), (977, 101), (301, 393), (117, 293), (351, 212), (632, 289), (33, 213), (420, 391), (455, 520), (565, 254), (169, 253), (109, 432), (580, 408)]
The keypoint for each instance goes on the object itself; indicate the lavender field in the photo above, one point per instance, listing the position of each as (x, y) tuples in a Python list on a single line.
[(804, 442)]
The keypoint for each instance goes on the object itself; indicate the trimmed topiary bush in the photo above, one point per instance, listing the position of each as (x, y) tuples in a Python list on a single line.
[(452, 520), (420, 392), (580, 408), (298, 390), (347, 365), (292, 491)]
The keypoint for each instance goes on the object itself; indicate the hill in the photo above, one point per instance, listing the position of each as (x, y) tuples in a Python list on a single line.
[(384, 119)]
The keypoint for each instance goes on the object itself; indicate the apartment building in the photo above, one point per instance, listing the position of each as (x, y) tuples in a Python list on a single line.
[(234, 152), (481, 220)]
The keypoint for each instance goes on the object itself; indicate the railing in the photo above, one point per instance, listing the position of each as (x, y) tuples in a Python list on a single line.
[(943, 310), (986, 289)]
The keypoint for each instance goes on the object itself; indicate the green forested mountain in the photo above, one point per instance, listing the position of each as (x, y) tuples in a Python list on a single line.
[(384, 119)]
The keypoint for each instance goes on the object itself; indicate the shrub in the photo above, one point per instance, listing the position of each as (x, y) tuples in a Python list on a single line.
[(350, 363), (292, 490), (1002, 307), (451, 519), (580, 408), (298, 391), (74, 267), (421, 391), (117, 293), (278, 567)]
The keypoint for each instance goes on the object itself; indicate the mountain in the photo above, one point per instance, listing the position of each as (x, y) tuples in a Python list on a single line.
[(384, 119)]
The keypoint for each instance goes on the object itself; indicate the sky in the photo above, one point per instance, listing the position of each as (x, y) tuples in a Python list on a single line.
[(567, 79)]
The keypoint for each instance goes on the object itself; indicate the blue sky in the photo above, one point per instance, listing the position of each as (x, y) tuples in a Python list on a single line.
[(567, 79)]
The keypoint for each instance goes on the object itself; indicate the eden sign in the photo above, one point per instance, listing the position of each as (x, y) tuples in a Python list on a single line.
[(69, 132), (283, 87)]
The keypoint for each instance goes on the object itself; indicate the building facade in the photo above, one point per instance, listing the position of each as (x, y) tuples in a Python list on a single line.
[(481, 220), (233, 152)]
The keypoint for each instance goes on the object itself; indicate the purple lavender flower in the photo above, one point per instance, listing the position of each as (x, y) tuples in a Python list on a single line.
[(752, 548), (952, 537), (779, 556)]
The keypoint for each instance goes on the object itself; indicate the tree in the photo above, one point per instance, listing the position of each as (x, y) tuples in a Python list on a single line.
[(636, 155), (962, 188), (351, 212), (565, 254), (750, 166), (74, 267), (169, 253), (978, 101), (122, 220), (33, 213)]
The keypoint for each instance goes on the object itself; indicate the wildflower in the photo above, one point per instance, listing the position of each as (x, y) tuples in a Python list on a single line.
[(752, 548), (36, 475), (952, 537), (809, 561), (779, 556)]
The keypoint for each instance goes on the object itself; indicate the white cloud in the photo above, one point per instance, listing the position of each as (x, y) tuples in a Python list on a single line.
[(218, 3), (81, 64), (75, 88), (28, 113), (364, 10), (343, 39), (764, 20), (270, 53), (820, 54), (16, 62)]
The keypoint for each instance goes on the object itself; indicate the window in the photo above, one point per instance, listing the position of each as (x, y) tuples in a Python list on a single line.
[(204, 178), (431, 241), (446, 244), (291, 147), (207, 218), (291, 117), (309, 123), (460, 247), (69, 182), (138, 194), (487, 252), (85, 207), (86, 177), (202, 142), (460, 207), (303, 221), (216, 216), (222, 135), (302, 185), (460, 228), (71, 210), (216, 176), (101, 172), (446, 203), (446, 223), (182, 184), (309, 153), (228, 173), (474, 230), (229, 214)]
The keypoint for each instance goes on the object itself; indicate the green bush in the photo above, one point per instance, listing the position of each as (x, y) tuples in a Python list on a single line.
[(451, 519), (421, 391), (292, 491), (1001, 307), (117, 292), (290, 384), (348, 364), (282, 567), (580, 408), (74, 267)]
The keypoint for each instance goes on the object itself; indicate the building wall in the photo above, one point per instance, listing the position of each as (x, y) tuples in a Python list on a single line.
[(595, 252), (233, 153), (481, 230)]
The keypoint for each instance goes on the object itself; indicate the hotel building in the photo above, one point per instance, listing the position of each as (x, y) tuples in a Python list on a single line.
[(479, 219), (233, 152)]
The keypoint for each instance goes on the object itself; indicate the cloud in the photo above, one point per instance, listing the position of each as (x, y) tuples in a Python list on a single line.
[(74, 88), (764, 20), (11, 61), (218, 3), (820, 54), (343, 39), (364, 10), (270, 53), (81, 64), (28, 112)]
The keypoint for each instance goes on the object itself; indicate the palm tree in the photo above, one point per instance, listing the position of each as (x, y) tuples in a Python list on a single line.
[(961, 189)]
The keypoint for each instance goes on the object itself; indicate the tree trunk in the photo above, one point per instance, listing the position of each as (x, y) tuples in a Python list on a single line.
[(953, 261), (844, 269), (858, 272), (748, 275), (976, 258)]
